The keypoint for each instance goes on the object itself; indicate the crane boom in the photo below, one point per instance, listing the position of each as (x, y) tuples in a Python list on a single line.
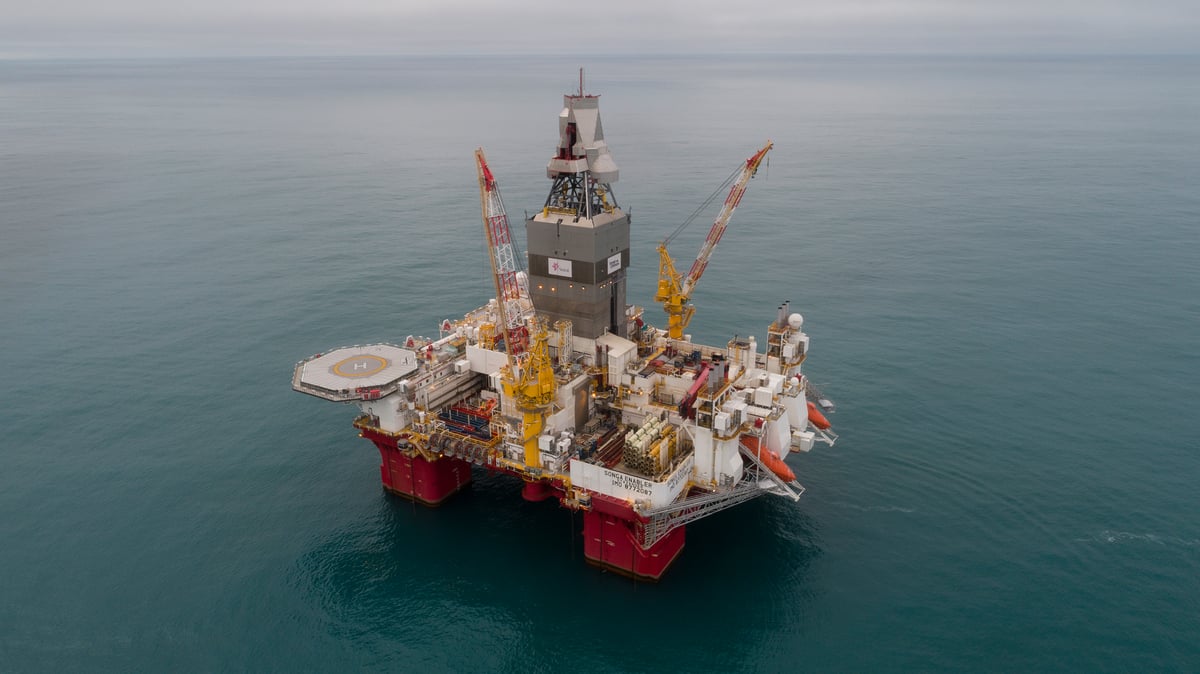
[(674, 290), (529, 377), (503, 258)]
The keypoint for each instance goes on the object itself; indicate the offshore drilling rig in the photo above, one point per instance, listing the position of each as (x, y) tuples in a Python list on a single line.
[(560, 383)]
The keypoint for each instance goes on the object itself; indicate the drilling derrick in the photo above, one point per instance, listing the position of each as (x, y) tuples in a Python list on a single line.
[(579, 242)]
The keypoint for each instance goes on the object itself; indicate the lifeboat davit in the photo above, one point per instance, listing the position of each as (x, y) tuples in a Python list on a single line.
[(815, 416), (770, 459)]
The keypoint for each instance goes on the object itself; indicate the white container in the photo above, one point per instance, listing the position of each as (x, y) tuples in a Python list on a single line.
[(762, 396)]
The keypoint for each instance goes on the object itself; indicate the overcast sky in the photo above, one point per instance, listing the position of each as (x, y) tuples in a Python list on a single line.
[(218, 27)]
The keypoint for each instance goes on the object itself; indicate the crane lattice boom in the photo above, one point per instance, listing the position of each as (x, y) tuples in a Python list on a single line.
[(503, 257), (529, 376), (675, 291)]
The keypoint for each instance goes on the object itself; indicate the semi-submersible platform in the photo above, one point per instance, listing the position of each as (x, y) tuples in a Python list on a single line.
[(560, 383)]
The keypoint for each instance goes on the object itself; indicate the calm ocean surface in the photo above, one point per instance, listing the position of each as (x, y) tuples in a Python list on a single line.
[(997, 260)]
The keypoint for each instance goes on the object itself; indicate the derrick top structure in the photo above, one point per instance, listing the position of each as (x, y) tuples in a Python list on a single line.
[(581, 147)]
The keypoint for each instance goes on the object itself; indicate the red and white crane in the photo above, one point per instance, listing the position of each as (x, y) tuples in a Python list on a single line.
[(674, 290), (512, 302)]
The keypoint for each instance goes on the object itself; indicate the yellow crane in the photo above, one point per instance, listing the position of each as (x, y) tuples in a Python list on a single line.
[(529, 376), (674, 289)]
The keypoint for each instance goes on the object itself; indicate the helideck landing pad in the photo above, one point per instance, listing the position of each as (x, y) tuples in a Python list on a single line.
[(344, 374)]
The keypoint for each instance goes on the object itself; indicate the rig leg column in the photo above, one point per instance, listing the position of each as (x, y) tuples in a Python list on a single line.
[(535, 492), (609, 541), (412, 476)]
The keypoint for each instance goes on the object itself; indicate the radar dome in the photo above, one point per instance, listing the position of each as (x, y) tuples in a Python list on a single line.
[(795, 321)]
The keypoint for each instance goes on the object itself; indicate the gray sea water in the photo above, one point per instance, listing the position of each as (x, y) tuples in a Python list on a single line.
[(996, 258)]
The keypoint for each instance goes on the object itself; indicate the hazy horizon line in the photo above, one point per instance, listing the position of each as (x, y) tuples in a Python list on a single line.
[(197, 56)]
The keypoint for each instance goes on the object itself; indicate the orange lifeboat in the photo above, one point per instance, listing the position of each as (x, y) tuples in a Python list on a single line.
[(770, 459), (815, 416)]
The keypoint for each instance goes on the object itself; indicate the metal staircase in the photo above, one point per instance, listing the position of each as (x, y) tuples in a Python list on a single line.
[(756, 481)]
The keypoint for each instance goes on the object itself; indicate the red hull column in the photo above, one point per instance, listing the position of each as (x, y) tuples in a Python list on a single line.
[(610, 541), (535, 492), (413, 476)]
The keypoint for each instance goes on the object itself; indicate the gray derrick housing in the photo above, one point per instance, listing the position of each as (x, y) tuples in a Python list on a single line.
[(578, 243)]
